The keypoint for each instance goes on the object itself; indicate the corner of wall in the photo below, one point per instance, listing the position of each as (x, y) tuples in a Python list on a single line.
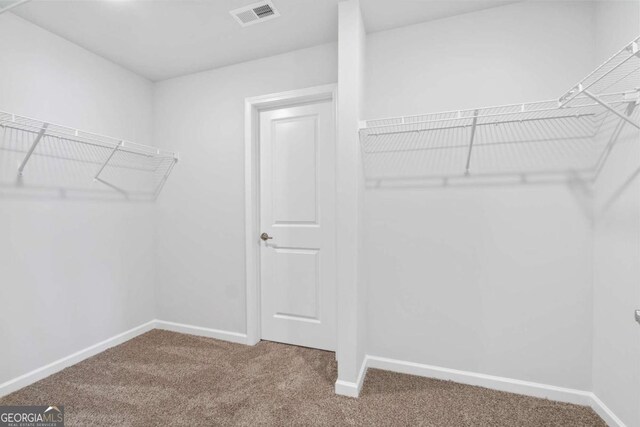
[(351, 303)]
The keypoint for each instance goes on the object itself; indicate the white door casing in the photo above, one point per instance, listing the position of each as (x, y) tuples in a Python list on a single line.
[(297, 209)]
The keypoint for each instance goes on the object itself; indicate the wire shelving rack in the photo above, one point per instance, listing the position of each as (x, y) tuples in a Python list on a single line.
[(46, 156), (563, 138)]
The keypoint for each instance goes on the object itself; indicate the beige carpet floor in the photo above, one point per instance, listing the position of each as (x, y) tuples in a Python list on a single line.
[(167, 379)]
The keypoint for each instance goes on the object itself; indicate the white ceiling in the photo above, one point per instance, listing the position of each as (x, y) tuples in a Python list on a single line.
[(160, 39)]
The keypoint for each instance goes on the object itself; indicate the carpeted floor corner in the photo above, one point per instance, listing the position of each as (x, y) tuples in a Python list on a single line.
[(168, 379)]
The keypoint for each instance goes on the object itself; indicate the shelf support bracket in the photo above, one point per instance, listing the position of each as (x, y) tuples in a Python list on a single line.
[(33, 147), (473, 134), (118, 189), (610, 108), (107, 160), (164, 178)]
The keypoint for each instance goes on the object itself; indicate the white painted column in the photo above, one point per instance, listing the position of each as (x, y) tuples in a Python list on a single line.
[(351, 301)]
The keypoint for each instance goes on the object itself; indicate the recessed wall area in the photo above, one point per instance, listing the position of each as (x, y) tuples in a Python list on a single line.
[(486, 230), (491, 276)]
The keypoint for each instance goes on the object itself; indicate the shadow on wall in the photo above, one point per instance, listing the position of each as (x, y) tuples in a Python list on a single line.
[(570, 148), (42, 162)]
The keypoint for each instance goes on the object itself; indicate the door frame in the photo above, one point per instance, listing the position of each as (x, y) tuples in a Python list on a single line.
[(252, 108)]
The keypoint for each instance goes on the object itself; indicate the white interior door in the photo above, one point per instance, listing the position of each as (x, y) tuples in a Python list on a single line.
[(297, 198)]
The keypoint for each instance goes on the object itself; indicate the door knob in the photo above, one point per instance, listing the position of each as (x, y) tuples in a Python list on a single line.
[(265, 237), (637, 313)]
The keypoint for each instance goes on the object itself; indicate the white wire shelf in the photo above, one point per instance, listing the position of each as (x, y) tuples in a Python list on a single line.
[(620, 73), (548, 140), (45, 156)]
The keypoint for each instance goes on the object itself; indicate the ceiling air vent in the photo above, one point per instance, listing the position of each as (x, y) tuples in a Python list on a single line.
[(254, 13)]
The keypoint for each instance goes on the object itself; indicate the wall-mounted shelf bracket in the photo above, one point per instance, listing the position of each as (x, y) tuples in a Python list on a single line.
[(33, 147), (610, 108), (473, 134), (113, 152), (118, 189), (166, 175), (633, 99)]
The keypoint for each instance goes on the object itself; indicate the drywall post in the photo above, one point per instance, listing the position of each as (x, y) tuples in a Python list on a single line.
[(350, 182)]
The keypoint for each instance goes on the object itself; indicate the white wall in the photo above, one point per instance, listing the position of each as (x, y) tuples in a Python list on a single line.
[(616, 349), (200, 244), (495, 280), (72, 273)]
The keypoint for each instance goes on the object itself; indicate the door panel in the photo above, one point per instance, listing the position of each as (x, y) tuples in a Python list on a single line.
[(297, 273), (297, 197), (294, 174)]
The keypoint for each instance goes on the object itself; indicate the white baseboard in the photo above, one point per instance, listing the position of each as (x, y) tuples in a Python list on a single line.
[(236, 337), (50, 369), (510, 385), (352, 389), (527, 388), (44, 371), (605, 413)]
